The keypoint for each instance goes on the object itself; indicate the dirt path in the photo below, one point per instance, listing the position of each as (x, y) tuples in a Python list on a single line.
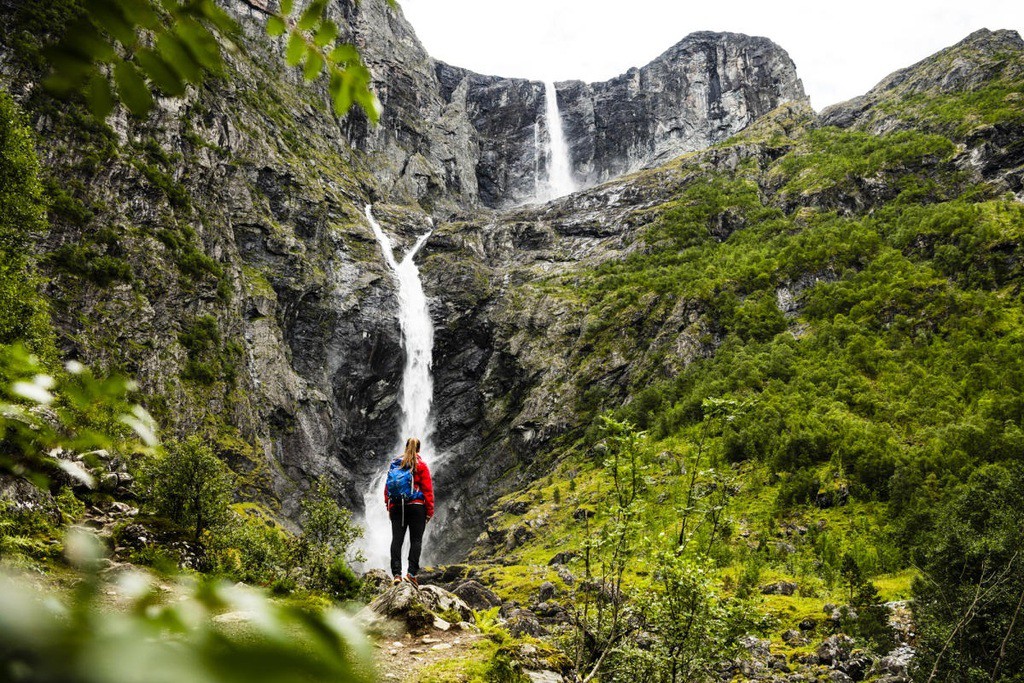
[(405, 659)]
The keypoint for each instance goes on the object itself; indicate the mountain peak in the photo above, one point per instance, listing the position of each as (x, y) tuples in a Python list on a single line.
[(982, 58)]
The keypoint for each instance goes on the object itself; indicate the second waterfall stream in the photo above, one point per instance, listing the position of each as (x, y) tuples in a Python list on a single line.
[(560, 180), (417, 332)]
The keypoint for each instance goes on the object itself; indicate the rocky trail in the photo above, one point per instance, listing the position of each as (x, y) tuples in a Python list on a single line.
[(405, 659)]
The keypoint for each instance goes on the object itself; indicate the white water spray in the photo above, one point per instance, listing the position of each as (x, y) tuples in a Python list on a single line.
[(417, 391), (560, 181)]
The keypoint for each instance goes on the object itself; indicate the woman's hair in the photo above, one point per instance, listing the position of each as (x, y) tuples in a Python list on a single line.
[(412, 449)]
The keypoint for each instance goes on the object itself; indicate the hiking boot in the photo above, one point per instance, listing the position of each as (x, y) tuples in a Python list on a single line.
[(412, 579), (397, 580)]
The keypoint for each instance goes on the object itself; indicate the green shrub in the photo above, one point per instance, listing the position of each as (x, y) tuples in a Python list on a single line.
[(343, 583), (252, 549), (190, 486), (100, 269), (209, 358), (80, 638), (799, 488)]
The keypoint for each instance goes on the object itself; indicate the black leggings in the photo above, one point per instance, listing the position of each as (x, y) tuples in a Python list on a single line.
[(415, 520)]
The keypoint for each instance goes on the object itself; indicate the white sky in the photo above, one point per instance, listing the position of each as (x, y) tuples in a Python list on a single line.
[(840, 49)]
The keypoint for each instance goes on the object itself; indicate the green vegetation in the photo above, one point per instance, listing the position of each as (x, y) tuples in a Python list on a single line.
[(209, 358), (174, 44), (855, 299), (24, 315), (73, 635), (79, 638), (968, 604), (190, 487)]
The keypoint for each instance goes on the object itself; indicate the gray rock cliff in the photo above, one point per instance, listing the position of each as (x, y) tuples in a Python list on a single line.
[(703, 90)]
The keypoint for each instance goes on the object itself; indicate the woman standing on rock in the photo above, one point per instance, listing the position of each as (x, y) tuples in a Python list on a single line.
[(409, 496)]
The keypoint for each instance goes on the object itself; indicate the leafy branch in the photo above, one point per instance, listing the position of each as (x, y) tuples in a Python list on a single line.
[(312, 44), (129, 51)]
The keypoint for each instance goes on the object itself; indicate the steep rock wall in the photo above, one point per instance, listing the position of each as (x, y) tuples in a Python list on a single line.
[(703, 90)]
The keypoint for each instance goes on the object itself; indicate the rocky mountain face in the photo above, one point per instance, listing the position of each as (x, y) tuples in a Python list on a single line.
[(703, 90), (981, 64), (450, 137), (520, 358), (228, 265), (218, 253)]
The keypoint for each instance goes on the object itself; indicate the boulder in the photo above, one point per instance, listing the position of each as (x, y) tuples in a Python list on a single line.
[(857, 666), (779, 588), (551, 612), (566, 576), (895, 664), (516, 507), (835, 650), (375, 582), (563, 557), (404, 608), (518, 536), (547, 591), (544, 676), (808, 624), (476, 595), (522, 622), (446, 576), (793, 637)]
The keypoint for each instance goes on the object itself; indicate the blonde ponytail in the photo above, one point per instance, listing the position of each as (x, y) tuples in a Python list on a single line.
[(412, 449)]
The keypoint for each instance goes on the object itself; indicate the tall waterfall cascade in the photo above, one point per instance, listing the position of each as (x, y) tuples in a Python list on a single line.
[(417, 333), (560, 181)]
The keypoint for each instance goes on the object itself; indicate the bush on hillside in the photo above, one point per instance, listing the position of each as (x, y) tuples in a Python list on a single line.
[(190, 486)]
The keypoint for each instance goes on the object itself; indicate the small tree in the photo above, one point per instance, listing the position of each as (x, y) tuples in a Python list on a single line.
[(191, 486), (326, 523), (693, 627), (328, 533), (602, 617), (852, 576)]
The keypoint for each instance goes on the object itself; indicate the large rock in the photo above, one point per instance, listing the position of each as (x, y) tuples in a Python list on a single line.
[(779, 588), (835, 650), (895, 665), (476, 595), (417, 610)]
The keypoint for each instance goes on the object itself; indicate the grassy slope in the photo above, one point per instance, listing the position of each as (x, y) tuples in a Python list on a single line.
[(896, 371)]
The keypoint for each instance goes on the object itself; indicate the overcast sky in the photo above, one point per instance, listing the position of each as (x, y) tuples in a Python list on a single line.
[(840, 49)]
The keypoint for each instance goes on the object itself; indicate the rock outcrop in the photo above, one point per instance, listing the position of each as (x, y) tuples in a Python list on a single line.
[(450, 137), (406, 608), (983, 62)]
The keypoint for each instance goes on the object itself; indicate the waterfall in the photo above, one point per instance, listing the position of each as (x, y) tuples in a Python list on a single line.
[(417, 392), (560, 182)]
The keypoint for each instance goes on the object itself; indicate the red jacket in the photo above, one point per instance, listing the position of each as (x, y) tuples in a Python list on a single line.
[(421, 482)]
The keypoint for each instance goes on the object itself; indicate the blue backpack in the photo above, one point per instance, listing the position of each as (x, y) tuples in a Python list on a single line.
[(400, 482)]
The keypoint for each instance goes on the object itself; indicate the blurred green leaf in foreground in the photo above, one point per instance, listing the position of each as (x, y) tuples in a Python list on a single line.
[(132, 629), (131, 51)]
